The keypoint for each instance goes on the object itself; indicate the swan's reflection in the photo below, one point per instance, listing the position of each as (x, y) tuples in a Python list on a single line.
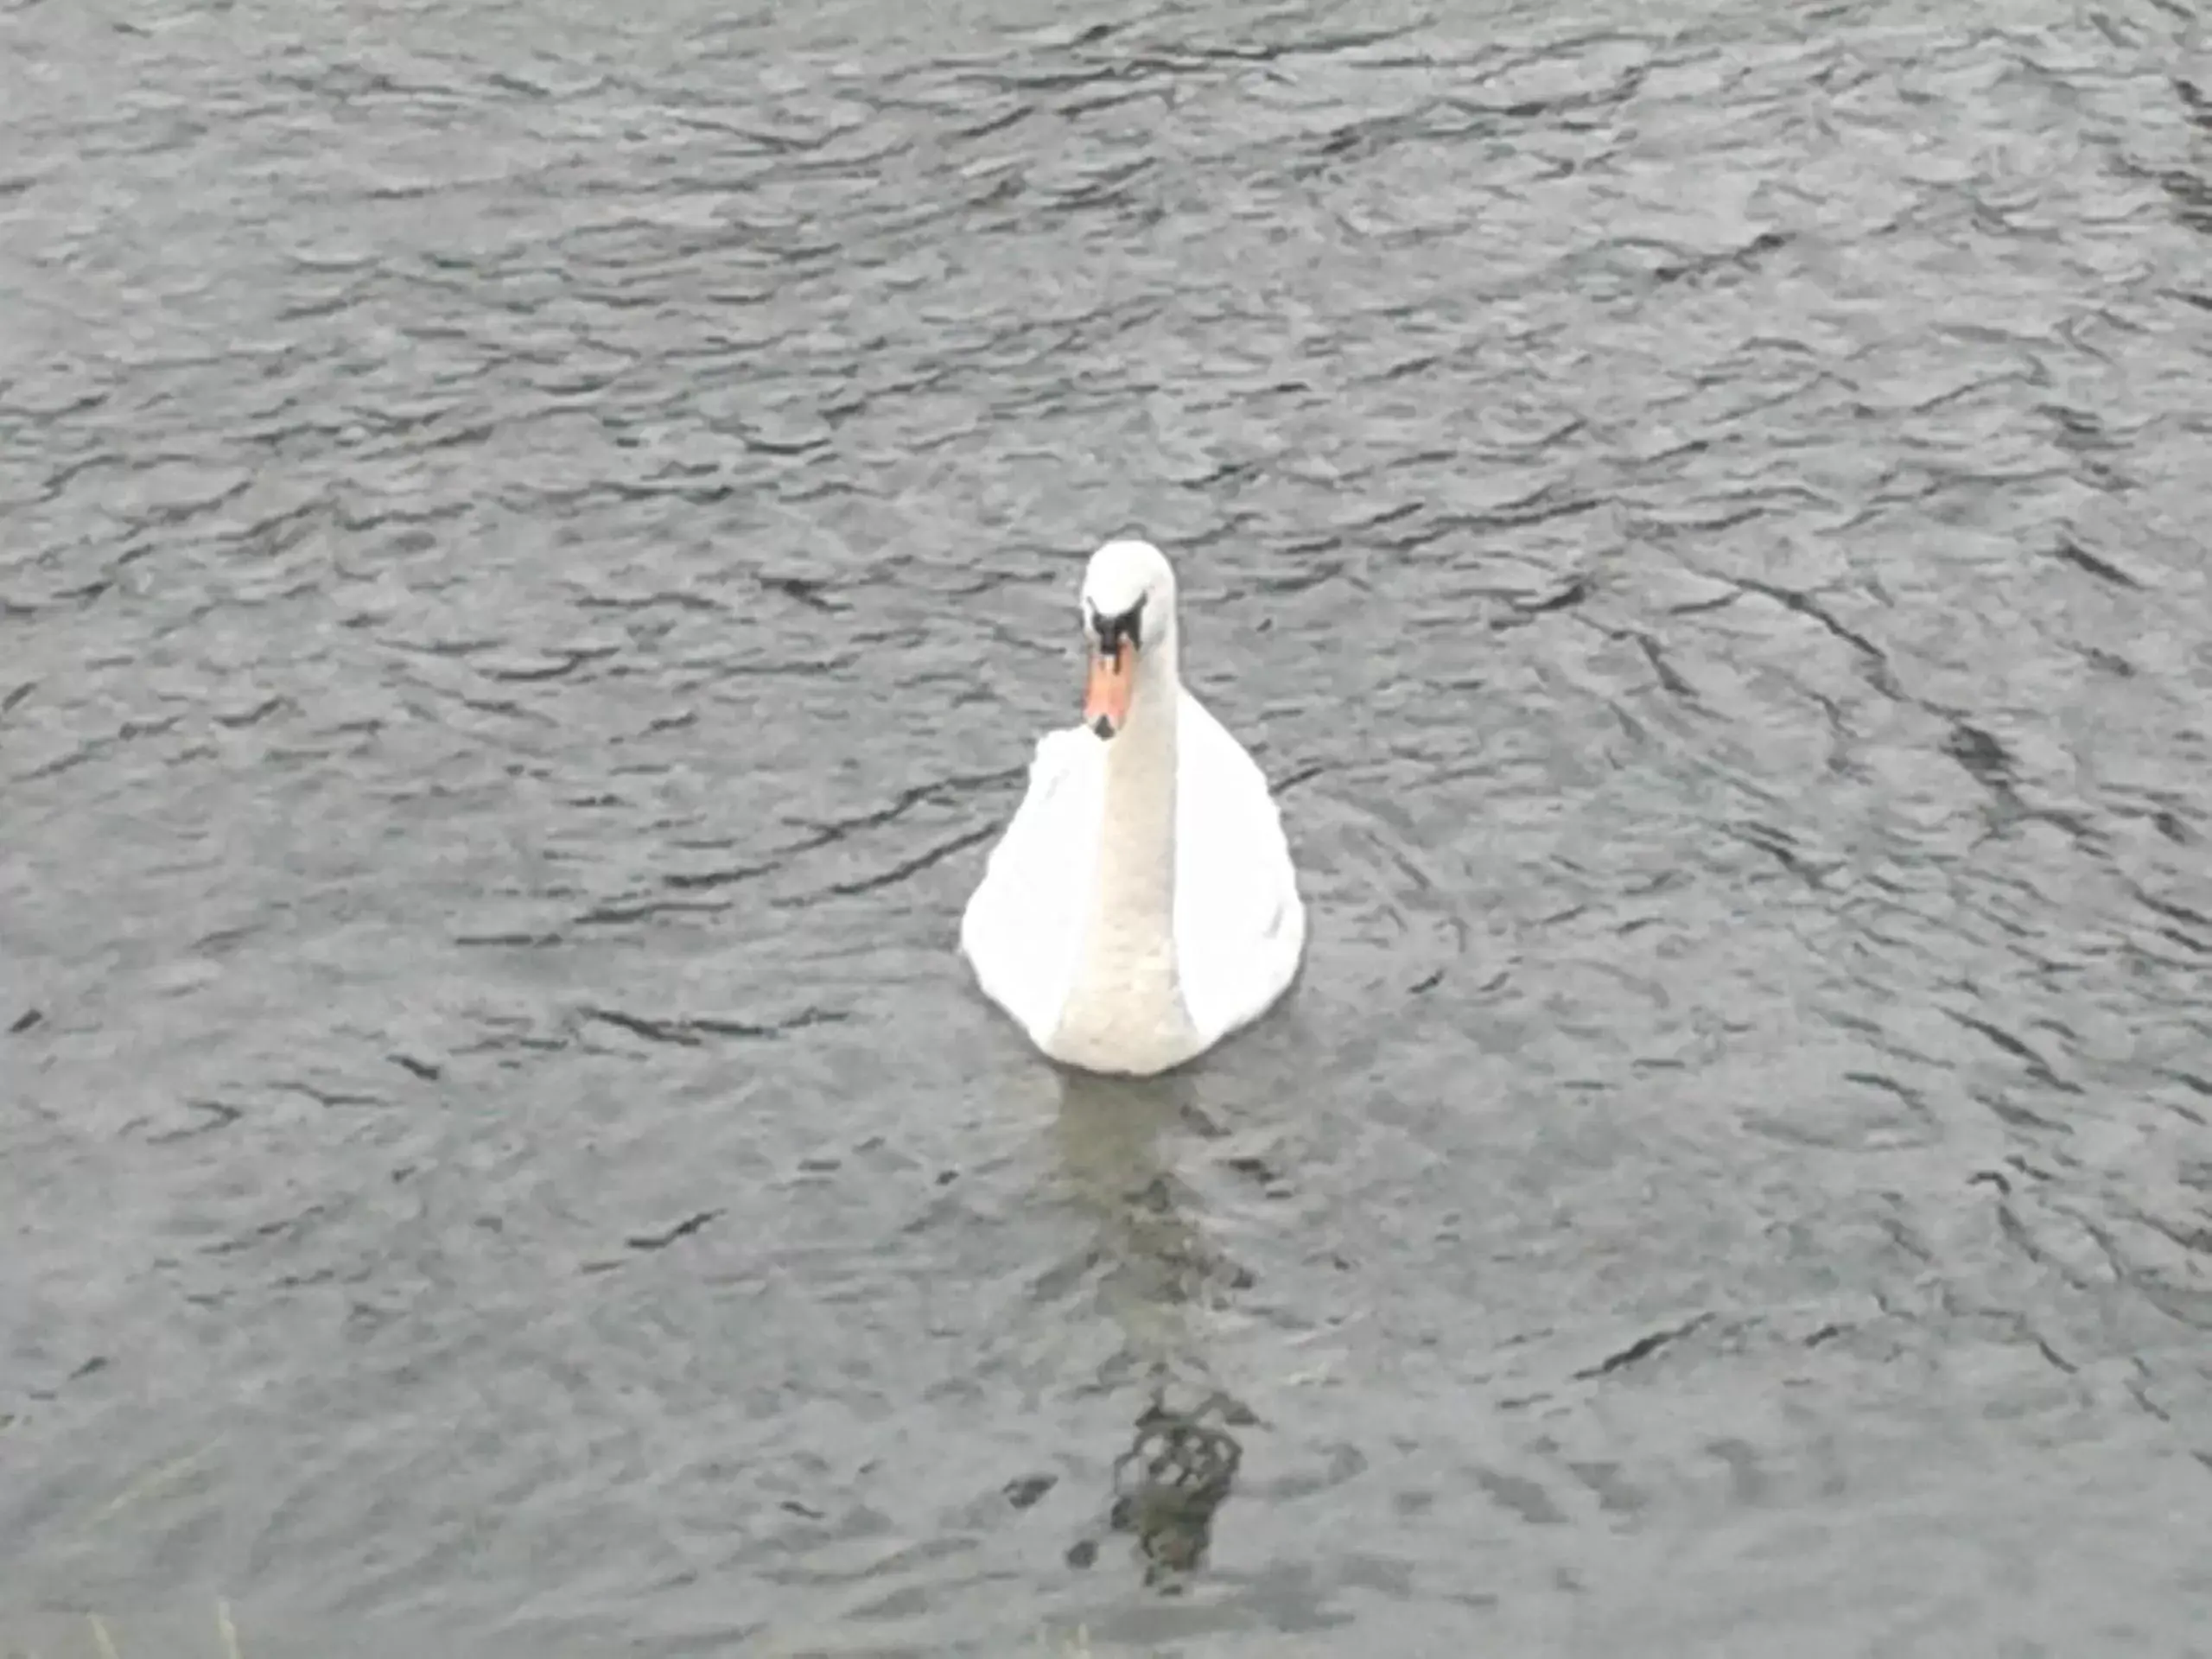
[(1171, 1482), (1182, 1461), (1110, 1134)]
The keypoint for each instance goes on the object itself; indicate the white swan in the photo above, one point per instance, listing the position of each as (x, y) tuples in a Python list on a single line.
[(1142, 905)]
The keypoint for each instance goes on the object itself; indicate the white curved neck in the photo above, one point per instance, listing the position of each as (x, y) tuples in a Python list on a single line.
[(1134, 892), (1126, 1008)]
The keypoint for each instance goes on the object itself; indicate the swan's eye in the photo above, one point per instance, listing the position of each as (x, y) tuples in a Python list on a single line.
[(1112, 630)]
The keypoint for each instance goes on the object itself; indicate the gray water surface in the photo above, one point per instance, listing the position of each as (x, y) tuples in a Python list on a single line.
[(535, 542)]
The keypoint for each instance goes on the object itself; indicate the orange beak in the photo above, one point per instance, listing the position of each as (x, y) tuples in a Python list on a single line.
[(1106, 697)]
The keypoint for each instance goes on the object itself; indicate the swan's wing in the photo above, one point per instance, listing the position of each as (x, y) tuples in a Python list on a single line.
[(1240, 926), (1021, 927)]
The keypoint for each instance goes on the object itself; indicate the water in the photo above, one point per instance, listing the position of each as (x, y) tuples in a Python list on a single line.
[(537, 540)]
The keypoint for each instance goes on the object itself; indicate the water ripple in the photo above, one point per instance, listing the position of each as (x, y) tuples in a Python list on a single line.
[(538, 541)]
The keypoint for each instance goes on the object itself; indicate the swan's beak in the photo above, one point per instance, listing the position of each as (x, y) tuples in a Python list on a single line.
[(1106, 698)]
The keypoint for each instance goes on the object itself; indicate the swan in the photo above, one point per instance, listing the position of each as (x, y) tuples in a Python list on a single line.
[(1141, 904)]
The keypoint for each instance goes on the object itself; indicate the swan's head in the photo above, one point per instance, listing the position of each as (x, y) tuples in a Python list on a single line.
[(1128, 617)]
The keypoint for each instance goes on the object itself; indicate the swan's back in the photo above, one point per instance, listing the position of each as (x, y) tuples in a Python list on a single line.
[(1024, 924), (1240, 926)]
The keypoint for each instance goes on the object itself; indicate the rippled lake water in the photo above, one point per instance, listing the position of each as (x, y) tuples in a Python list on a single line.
[(535, 540)]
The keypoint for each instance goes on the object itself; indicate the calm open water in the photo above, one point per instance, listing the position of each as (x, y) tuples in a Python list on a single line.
[(535, 540)]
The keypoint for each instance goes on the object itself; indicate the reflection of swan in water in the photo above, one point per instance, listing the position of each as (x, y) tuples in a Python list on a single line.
[(1159, 1262), (1181, 1464), (1176, 1474)]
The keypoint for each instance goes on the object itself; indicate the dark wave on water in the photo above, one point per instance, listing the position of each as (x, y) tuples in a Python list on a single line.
[(534, 543)]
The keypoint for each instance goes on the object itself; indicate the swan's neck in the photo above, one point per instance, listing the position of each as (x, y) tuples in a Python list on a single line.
[(1125, 1011)]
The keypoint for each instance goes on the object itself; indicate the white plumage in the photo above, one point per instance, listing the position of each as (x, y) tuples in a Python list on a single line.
[(1142, 905)]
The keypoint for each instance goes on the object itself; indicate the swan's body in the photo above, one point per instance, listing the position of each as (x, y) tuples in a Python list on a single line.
[(1142, 905)]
